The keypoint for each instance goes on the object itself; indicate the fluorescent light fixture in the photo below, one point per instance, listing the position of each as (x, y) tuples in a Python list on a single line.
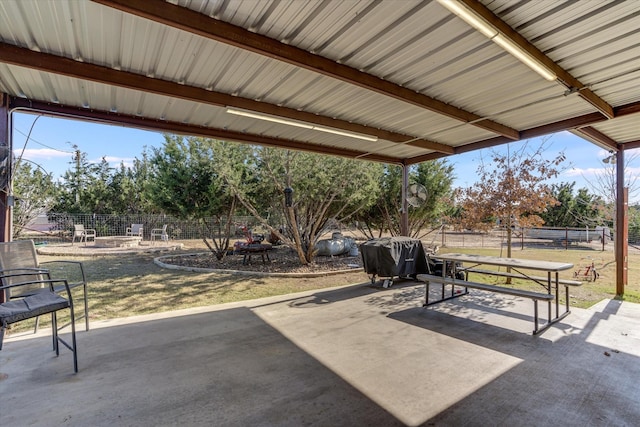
[(296, 123), (484, 27), (524, 57), (267, 117), (469, 17)]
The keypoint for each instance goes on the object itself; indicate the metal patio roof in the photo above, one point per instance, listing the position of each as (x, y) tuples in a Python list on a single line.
[(411, 75)]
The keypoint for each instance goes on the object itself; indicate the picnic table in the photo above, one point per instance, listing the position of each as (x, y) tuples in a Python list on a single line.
[(550, 281)]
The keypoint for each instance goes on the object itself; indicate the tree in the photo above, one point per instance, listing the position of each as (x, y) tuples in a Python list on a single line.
[(511, 190), (184, 181), (604, 184), (128, 188), (572, 210), (96, 195), (34, 193), (82, 188), (437, 178), (326, 190)]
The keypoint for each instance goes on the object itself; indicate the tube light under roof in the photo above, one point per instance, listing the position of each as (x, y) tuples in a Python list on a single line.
[(487, 29), (300, 124)]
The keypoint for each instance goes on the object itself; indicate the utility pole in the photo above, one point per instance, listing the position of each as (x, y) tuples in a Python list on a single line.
[(77, 159)]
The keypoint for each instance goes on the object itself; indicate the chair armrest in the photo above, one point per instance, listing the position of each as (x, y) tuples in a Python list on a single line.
[(59, 266), (22, 271), (49, 282)]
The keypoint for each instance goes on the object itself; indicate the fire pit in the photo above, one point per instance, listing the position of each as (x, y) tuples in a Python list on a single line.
[(118, 241)]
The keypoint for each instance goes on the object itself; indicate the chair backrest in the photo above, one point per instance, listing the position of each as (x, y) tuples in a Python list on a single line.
[(136, 228), (78, 230), (14, 256)]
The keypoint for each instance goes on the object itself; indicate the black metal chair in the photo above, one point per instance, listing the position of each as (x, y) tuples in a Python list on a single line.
[(29, 293), (22, 255)]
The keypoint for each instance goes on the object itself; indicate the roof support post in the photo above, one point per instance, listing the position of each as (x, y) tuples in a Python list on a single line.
[(5, 169), (404, 212), (5, 173), (622, 225)]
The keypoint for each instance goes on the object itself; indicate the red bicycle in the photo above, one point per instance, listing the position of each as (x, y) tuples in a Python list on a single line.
[(587, 273)]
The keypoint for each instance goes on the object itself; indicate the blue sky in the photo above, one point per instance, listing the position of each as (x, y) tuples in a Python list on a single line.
[(51, 145)]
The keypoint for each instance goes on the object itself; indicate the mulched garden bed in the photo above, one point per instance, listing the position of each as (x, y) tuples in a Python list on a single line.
[(282, 260)]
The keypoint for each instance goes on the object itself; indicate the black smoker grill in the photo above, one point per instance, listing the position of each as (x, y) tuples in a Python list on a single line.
[(391, 257)]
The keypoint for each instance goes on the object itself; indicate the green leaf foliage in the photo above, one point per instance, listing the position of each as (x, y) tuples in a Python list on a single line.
[(435, 176), (34, 193), (183, 180), (574, 209)]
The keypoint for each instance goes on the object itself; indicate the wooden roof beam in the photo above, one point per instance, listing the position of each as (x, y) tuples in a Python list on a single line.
[(197, 23), (55, 64), (562, 125), (563, 76), (599, 137), (108, 117), (631, 145)]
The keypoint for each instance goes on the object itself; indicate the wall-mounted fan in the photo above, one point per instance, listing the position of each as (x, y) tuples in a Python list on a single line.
[(416, 195)]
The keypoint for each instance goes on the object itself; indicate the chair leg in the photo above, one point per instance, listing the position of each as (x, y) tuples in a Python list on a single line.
[(54, 328), (86, 307), (73, 340), (2, 328), (74, 345)]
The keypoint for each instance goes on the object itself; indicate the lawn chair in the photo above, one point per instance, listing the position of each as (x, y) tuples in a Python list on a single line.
[(160, 233), (134, 230), (82, 234), (21, 255), (30, 293)]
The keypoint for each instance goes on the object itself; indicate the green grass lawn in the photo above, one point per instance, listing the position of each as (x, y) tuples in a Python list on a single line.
[(128, 285)]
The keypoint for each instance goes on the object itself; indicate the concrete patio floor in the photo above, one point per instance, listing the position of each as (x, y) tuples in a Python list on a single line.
[(351, 356)]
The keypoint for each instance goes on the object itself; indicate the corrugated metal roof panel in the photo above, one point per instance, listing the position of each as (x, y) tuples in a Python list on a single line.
[(554, 109), (586, 38), (418, 45), (622, 129)]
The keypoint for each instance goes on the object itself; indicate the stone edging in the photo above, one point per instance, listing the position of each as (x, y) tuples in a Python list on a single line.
[(158, 261)]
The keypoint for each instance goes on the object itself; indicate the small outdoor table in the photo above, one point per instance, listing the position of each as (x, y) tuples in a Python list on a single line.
[(261, 249)]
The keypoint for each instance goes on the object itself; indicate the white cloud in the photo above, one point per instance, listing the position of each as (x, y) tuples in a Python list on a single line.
[(36, 154), (583, 172), (115, 161)]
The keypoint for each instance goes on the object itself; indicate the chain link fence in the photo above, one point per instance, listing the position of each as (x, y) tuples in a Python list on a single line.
[(58, 227), (549, 237)]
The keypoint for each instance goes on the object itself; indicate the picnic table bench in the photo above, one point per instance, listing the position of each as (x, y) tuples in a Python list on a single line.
[(566, 282), (455, 293)]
